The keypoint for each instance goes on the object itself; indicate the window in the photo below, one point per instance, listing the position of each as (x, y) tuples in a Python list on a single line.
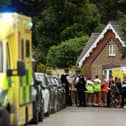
[(1, 57), (8, 56), (27, 48), (22, 49), (112, 50)]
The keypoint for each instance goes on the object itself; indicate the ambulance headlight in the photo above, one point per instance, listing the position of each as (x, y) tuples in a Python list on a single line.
[(30, 24)]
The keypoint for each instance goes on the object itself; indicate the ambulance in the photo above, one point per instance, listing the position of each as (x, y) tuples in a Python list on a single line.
[(16, 68), (119, 72)]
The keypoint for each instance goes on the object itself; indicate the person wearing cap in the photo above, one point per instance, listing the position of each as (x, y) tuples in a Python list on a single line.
[(81, 87), (97, 89), (66, 81)]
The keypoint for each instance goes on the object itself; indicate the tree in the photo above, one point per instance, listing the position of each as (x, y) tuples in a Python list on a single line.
[(4, 3), (122, 22), (63, 20), (65, 54), (108, 9)]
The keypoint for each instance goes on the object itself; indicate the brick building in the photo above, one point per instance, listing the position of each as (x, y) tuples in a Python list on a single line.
[(102, 52)]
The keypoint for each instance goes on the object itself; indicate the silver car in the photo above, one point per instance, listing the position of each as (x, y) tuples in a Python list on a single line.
[(45, 92)]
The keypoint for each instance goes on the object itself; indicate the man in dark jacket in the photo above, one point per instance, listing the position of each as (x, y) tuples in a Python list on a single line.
[(81, 88), (65, 80), (123, 92)]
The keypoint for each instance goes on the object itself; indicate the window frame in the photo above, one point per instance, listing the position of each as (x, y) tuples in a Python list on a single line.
[(22, 49), (112, 49), (27, 48), (8, 56)]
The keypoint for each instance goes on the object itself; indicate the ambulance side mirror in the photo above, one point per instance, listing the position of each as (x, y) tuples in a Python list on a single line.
[(20, 68), (9, 72)]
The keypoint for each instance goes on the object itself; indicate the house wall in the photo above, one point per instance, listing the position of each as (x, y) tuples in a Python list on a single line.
[(103, 59), (100, 59)]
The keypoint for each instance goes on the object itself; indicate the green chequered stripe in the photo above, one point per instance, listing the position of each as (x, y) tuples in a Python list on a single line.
[(9, 82), (25, 88), (30, 92), (20, 81), (27, 77), (21, 95)]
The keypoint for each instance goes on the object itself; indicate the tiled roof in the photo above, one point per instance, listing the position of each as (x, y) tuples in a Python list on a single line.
[(117, 28), (88, 45)]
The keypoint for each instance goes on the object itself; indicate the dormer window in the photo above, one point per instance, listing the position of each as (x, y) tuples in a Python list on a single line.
[(112, 50)]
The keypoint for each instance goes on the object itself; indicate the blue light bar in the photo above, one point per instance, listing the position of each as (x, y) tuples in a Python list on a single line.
[(6, 15)]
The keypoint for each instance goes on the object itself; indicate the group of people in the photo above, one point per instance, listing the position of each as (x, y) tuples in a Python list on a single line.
[(95, 92)]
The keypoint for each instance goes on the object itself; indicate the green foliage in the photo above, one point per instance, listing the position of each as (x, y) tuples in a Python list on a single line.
[(122, 22), (109, 9), (99, 28), (41, 68), (4, 3), (65, 54), (59, 20), (76, 30), (90, 17), (63, 20)]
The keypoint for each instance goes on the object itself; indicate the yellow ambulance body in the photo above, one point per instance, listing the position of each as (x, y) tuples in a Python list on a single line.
[(16, 55), (119, 72)]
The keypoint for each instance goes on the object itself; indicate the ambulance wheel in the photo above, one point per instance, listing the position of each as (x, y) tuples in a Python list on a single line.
[(4, 117)]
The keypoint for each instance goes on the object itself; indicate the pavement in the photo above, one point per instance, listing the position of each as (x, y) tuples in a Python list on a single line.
[(77, 116)]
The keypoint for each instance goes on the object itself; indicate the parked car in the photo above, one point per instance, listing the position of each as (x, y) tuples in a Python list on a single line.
[(45, 92), (56, 93), (37, 102), (53, 94), (61, 93)]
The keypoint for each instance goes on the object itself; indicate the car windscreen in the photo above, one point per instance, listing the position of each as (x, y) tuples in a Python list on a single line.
[(1, 57), (53, 81), (57, 82), (49, 80)]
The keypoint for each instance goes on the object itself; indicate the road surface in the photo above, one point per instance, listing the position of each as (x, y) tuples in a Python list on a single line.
[(74, 116)]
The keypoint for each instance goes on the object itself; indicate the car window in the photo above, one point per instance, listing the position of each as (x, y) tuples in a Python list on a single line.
[(40, 77)]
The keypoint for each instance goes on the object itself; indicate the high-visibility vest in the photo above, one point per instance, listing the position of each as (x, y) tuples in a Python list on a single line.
[(89, 88), (97, 87)]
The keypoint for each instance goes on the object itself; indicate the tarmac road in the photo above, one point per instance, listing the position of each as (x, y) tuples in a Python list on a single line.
[(74, 116)]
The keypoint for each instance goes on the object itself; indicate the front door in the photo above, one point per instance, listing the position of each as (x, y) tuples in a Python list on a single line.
[(107, 73)]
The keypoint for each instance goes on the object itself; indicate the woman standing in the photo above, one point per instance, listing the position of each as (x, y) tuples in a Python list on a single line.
[(104, 89)]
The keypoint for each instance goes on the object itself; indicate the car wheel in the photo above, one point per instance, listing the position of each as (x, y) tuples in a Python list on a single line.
[(41, 114), (4, 117), (49, 109), (35, 114)]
